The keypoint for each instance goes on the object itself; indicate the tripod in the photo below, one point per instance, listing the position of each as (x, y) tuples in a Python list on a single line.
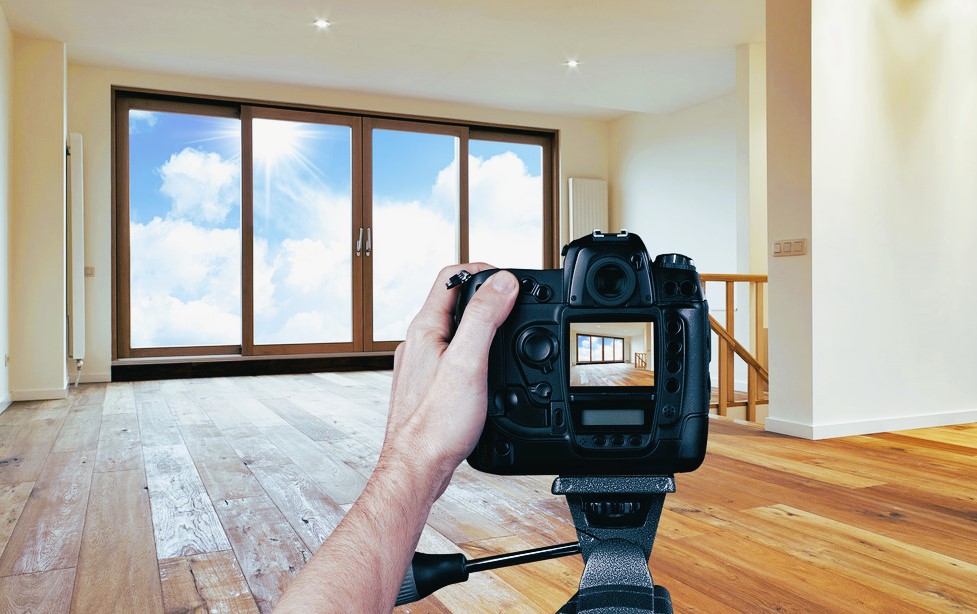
[(616, 520)]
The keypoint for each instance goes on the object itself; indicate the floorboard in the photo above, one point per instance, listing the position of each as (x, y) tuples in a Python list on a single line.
[(208, 495)]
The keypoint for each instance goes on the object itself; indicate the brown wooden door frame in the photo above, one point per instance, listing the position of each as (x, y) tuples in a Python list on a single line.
[(551, 206), (122, 312), (249, 348), (369, 125), (361, 126)]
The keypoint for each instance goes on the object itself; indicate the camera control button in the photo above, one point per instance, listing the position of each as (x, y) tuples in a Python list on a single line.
[(600, 441), (668, 415), (543, 293), (617, 440), (526, 284), (675, 261), (634, 440), (538, 347), (542, 390)]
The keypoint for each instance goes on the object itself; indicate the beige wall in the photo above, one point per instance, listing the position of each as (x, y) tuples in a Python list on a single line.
[(583, 152), (6, 112), (37, 221)]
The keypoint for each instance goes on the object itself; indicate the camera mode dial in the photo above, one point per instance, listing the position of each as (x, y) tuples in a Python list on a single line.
[(675, 261)]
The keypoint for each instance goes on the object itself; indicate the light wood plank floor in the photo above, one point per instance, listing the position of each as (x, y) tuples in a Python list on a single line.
[(208, 495), (610, 374)]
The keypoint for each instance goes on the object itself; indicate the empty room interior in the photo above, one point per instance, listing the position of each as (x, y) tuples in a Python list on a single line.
[(219, 219)]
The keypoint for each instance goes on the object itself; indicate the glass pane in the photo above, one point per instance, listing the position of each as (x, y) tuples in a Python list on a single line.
[(596, 349), (303, 219), (505, 204), (583, 348), (608, 349), (184, 230), (415, 223), (619, 349)]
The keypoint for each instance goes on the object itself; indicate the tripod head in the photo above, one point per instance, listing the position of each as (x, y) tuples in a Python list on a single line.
[(616, 520)]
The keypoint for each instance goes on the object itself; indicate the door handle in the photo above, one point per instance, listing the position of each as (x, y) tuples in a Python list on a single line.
[(359, 244), (369, 241)]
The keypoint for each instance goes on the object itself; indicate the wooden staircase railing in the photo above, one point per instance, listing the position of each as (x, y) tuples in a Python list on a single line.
[(758, 378)]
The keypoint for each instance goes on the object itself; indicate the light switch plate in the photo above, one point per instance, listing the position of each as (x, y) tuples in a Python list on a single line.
[(789, 247)]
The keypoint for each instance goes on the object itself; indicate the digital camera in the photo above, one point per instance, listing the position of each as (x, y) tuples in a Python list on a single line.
[(602, 368)]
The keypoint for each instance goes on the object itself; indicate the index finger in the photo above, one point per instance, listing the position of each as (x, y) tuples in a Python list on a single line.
[(437, 313)]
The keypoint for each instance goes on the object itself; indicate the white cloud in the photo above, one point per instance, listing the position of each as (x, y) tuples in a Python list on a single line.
[(412, 244), (186, 284), (201, 185), (304, 280), (140, 119), (505, 212)]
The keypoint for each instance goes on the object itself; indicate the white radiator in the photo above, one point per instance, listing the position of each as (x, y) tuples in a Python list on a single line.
[(76, 249), (588, 206)]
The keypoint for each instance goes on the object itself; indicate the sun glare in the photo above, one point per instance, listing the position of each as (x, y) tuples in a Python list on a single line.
[(275, 140)]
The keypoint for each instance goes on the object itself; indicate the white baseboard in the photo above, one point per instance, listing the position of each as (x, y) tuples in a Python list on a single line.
[(39, 394), (867, 427), (5, 402)]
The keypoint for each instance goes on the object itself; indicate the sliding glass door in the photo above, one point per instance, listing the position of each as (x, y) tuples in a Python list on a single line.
[(181, 263), (304, 197), (258, 230), (414, 213)]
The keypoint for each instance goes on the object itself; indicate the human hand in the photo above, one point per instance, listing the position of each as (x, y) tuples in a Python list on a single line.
[(439, 394)]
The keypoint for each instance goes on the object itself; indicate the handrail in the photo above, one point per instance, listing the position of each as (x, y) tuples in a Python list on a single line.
[(741, 351), (732, 277), (730, 348)]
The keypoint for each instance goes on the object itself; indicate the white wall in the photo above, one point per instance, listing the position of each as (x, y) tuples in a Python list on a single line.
[(37, 221), (6, 113), (894, 200), (675, 181), (874, 330), (583, 152), (789, 214)]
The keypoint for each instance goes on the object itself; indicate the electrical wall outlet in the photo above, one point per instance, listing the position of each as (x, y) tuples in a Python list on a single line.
[(89, 271), (789, 247), (6, 360)]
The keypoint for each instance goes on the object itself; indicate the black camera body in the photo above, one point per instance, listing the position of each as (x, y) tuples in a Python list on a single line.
[(602, 368)]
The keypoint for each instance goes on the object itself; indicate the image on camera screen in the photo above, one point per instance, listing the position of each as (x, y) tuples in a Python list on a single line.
[(612, 354)]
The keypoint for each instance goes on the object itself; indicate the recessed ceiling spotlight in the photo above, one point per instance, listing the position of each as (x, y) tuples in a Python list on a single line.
[(322, 24), (572, 63)]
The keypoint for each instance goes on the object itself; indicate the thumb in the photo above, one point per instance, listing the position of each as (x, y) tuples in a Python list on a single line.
[(484, 314)]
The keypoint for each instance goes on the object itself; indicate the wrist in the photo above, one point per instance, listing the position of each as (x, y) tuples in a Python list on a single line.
[(415, 464)]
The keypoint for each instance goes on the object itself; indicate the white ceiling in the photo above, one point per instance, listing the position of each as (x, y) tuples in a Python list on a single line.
[(635, 55)]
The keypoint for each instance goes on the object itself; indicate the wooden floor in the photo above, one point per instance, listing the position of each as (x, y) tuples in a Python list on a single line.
[(610, 374), (207, 495)]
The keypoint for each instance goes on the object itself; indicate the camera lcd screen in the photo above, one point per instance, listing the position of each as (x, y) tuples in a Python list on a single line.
[(611, 354), (612, 417)]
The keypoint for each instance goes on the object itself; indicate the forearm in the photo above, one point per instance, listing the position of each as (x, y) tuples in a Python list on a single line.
[(361, 566)]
